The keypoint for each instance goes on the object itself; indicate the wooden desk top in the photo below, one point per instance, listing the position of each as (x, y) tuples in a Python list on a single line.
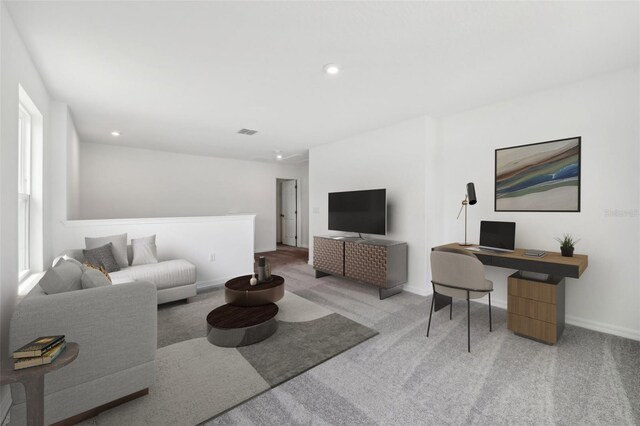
[(552, 263)]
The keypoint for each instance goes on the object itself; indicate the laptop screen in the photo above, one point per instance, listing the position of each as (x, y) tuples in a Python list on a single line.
[(500, 235)]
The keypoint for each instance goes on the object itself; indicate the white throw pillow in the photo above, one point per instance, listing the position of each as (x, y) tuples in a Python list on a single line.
[(119, 246), (144, 250)]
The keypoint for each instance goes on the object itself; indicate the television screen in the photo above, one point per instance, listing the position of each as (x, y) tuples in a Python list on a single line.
[(359, 211)]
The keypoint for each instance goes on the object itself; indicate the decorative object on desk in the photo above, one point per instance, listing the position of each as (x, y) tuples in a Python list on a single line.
[(534, 253), (267, 271), (253, 281), (567, 244), (469, 199), (537, 177)]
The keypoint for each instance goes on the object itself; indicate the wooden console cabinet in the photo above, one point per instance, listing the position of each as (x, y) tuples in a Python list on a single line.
[(382, 263)]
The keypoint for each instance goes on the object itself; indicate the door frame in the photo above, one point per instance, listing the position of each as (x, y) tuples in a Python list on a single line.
[(297, 211)]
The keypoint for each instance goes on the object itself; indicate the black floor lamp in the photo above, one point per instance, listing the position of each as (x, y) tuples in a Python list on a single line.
[(469, 198)]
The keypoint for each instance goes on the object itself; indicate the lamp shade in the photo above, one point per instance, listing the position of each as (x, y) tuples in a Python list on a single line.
[(471, 193)]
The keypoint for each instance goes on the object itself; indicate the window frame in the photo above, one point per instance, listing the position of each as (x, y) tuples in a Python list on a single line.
[(25, 141)]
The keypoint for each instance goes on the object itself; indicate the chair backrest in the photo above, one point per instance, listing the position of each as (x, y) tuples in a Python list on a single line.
[(458, 268)]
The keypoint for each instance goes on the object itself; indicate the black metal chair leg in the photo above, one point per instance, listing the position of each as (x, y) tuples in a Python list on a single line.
[(451, 309), (433, 299), (468, 323), (490, 329)]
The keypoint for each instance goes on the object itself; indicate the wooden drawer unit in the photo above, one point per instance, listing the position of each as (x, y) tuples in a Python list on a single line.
[(328, 255), (366, 262), (536, 308), (535, 329)]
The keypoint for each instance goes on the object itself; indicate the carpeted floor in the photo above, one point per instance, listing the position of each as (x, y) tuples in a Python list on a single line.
[(196, 380), (401, 377)]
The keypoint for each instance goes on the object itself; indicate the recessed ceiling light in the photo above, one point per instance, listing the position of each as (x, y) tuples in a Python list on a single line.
[(279, 156), (115, 133), (332, 69)]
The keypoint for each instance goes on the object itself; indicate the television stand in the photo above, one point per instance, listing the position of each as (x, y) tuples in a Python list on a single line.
[(382, 263)]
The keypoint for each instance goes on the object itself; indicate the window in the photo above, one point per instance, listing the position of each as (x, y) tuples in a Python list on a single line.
[(24, 189)]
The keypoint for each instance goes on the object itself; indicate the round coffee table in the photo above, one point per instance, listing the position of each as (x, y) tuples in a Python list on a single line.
[(232, 326), (239, 292)]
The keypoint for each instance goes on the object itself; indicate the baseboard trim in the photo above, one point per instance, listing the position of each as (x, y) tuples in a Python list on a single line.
[(206, 285), (264, 250), (579, 322), (602, 327), (421, 291), (5, 403), (95, 411)]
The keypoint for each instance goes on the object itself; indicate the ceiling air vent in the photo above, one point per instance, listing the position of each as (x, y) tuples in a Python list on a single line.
[(247, 132)]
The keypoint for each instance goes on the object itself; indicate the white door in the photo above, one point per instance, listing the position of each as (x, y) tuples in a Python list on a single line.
[(289, 213)]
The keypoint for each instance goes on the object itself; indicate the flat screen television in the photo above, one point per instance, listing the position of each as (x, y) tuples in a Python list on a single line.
[(359, 211)]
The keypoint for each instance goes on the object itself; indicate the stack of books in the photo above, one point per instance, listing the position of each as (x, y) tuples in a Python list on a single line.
[(40, 351)]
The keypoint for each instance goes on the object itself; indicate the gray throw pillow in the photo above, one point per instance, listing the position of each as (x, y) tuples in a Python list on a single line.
[(119, 247), (65, 276), (102, 256), (92, 278), (144, 250)]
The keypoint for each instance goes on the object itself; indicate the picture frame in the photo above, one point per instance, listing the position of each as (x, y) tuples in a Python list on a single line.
[(539, 177)]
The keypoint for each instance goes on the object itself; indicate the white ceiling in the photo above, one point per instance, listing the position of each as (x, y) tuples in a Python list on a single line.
[(186, 76)]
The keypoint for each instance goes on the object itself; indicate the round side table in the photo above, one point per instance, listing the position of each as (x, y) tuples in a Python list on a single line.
[(32, 379), (239, 292)]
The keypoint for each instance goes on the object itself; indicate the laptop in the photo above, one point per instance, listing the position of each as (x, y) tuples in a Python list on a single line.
[(497, 237)]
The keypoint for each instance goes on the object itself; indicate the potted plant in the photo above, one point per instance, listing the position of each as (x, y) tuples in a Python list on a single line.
[(567, 244)]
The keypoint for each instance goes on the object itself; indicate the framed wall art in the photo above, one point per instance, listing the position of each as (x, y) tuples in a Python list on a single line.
[(539, 177)]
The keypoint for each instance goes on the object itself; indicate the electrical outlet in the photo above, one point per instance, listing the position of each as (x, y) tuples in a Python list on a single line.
[(212, 257)]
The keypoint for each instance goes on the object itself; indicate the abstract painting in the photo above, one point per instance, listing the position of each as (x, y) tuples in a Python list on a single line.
[(540, 177)]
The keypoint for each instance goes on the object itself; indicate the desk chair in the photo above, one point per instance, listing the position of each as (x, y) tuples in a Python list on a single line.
[(458, 274)]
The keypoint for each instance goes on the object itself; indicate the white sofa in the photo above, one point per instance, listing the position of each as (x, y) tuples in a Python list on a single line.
[(174, 279), (116, 329)]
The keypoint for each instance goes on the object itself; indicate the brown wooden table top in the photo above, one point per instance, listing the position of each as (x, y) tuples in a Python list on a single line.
[(230, 316), (579, 261), (242, 283), (14, 376)]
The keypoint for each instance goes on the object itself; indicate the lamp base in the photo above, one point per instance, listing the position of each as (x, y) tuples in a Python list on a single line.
[(466, 244)]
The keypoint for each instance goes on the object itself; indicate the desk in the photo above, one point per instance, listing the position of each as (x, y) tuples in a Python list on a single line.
[(535, 305)]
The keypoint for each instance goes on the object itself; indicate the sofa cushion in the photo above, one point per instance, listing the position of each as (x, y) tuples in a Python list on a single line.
[(102, 257), (119, 246), (144, 250), (167, 274), (92, 278), (65, 276)]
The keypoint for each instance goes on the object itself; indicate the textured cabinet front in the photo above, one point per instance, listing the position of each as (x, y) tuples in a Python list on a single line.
[(328, 255), (366, 262)]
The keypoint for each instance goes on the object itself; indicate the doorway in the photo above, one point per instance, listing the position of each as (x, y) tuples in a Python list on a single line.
[(287, 212)]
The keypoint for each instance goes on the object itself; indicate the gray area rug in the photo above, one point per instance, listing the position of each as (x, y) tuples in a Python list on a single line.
[(196, 380), (400, 377)]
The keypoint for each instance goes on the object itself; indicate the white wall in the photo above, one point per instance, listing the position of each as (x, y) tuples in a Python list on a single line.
[(120, 182), (394, 158), (605, 112), (228, 238), (16, 68), (73, 169)]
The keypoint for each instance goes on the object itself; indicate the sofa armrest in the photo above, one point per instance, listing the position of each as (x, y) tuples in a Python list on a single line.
[(115, 326)]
